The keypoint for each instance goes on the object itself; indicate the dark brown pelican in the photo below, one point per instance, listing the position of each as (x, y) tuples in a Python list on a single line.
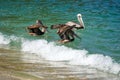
[(65, 31), (37, 29)]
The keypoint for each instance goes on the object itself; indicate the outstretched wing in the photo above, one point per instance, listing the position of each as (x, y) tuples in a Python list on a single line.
[(70, 23)]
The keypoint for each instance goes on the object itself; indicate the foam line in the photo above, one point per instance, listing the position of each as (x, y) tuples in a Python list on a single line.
[(51, 51)]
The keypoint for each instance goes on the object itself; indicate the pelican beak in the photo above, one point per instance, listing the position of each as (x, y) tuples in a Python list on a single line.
[(79, 16), (82, 23)]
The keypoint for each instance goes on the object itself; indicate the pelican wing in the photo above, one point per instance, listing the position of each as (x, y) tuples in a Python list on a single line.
[(70, 23)]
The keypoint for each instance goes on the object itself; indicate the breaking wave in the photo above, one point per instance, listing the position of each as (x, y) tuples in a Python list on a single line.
[(53, 52)]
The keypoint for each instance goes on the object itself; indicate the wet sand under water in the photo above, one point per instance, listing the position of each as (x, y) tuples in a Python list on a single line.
[(15, 65)]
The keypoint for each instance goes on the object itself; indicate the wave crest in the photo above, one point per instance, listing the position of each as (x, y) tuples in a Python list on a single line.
[(51, 51)]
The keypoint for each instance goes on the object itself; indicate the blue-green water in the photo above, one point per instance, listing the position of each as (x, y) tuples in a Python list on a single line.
[(100, 36)]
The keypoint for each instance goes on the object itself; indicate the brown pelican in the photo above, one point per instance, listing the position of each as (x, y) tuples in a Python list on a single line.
[(37, 29), (78, 26), (65, 31)]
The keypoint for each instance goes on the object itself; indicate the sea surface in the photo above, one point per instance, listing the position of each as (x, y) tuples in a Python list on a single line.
[(98, 49)]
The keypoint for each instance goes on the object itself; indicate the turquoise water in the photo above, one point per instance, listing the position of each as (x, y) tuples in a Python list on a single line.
[(101, 18)]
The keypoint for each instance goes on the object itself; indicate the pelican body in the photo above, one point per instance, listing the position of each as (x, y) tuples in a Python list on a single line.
[(65, 31), (35, 29)]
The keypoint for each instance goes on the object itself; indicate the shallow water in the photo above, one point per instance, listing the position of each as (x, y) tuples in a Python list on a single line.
[(13, 61), (98, 51)]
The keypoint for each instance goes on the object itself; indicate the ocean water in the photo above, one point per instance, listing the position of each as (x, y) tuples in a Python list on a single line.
[(99, 46)]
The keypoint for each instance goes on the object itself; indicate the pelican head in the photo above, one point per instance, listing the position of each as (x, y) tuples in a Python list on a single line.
[(79, 15), (39, 22)]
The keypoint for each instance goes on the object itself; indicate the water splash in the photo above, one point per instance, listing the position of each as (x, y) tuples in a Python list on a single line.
[(51, 51), (3, 39)]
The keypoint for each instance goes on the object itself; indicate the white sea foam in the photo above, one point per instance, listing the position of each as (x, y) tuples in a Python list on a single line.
[(3, 39), (51, 51)]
